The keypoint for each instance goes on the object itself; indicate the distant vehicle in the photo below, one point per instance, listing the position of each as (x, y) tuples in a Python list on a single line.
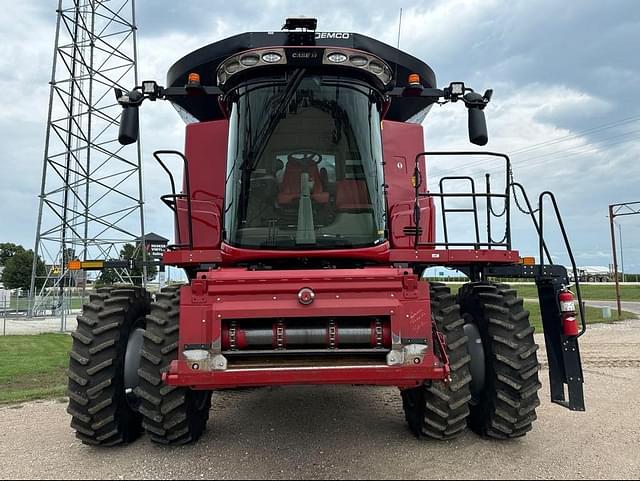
[(592, 274)]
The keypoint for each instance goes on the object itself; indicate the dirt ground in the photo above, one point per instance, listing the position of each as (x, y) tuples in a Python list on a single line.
[(350, 432)]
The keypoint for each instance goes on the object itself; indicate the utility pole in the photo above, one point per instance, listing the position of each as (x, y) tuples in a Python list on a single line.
[(615, 260), (619, 210), (621, 252)]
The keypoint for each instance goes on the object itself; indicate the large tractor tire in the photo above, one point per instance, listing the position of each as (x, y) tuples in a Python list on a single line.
[(504, 360), (439, 409), (101, 403), (172, 415)]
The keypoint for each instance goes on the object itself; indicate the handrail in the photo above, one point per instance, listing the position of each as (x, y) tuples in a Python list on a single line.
[(511, 187), (474, 210), (532, 213), (473, 195), (568, 247), (174, 196)]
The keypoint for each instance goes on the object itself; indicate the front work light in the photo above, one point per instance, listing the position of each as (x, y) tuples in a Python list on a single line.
[(272, 57), (457, 88), (149, 87), (247, 60), (337, 57)]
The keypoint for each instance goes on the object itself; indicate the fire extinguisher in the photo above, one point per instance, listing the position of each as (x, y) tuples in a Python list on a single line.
[(568, 313)]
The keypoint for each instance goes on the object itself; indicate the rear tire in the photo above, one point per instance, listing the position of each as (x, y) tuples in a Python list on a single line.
[(102, 414), (506, 407), (439, 410), (172, 415)]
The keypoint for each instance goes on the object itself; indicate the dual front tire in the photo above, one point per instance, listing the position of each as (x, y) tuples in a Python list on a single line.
[(494, 367), (123, 344)]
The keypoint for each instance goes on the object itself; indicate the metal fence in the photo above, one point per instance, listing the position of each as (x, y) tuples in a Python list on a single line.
[(56, 316), (10, 303)]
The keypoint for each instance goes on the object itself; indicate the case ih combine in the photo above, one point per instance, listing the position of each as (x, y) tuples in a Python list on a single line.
[(304, 225)]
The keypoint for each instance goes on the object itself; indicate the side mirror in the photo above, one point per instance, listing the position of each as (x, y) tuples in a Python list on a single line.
[(477, 123), (129, 125), (477, 127), (129, 119)]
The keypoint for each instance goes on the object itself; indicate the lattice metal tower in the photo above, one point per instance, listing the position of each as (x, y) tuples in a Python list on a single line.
[(91, 199)]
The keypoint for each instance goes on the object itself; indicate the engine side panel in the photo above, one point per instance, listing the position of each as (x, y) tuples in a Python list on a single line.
[(206, 152), (401, 143)]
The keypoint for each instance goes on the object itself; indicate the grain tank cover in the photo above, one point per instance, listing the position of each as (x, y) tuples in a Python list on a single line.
[(206, 61)]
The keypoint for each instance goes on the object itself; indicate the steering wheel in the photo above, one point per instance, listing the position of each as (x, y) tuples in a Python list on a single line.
[(308, 156)]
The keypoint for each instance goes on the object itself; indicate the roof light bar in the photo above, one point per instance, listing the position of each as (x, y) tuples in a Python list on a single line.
[(245, 60), (277, 56), (360, 60)]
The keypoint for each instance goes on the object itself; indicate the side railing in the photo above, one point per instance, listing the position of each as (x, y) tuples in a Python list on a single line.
[(171, 200), (512, 191), (473, 195)]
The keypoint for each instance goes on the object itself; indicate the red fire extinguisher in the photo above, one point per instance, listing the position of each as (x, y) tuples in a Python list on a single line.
[(568, 313)]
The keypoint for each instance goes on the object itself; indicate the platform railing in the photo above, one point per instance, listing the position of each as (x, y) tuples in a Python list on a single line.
[(512, 190), (474, 196)]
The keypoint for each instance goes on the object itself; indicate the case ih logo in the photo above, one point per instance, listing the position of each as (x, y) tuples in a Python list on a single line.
[(333, 35), (304, 55)]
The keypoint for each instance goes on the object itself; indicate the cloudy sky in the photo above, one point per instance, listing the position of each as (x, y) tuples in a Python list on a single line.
[(563, 73)]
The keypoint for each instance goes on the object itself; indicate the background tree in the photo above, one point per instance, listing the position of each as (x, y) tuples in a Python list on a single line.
[(128, 252), (17, 271), (108, 277), (8, 250)]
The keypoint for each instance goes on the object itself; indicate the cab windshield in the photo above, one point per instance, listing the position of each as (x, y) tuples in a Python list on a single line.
[(304, 166)]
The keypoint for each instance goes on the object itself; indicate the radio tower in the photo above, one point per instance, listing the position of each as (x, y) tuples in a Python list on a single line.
[(91, 201)]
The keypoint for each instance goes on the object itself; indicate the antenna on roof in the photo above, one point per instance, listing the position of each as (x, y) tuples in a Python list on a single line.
[(399, 27)]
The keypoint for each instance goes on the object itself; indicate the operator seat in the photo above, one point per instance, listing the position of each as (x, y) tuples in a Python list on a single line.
[(352, 196), (290, 187)]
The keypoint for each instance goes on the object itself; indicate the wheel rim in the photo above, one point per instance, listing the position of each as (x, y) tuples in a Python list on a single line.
[(132, 358), (478, 366)]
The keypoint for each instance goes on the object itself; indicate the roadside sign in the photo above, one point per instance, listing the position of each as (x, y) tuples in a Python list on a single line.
[(155, 250)]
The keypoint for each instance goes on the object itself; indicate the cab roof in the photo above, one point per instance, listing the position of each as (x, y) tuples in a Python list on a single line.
[(206, 60)]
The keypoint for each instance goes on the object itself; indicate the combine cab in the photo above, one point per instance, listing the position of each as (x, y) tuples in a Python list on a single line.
[(304, 224)]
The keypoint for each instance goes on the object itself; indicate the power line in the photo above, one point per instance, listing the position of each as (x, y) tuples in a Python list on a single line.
[(601, 127), (563, 139), (554, 154), (558, 154), (600, 142)]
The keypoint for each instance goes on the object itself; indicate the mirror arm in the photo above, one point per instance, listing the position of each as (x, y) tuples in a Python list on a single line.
[(131, 99), (170, 92), (434, 94), (137, 95)]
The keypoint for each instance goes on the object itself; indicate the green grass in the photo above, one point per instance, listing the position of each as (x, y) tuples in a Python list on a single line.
[(590, 292), (33, 367), (594, 315), (22, 303)]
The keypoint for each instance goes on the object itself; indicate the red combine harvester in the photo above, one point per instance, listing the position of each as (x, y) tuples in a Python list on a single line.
[(304, 226)]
